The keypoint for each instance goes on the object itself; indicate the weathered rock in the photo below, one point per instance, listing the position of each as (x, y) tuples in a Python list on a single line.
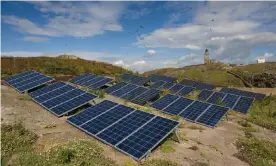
[(264, 80)]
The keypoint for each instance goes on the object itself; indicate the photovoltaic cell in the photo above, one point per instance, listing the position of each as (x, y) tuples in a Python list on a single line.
[(201, 86), (212, 115), (101, 122), (204, 94), (155, 78), (100, 83), (257, 96), (243, 105), (87, 77), (195, 110), (178, 106), (160, 104), (146, 96), (176, 88), (115, 87), (91, 112), (78, 78), (230, 100), (186, 90), (168, 85), (47, 89), (117, 132), (124, 90), (157, 85), (216, 98), (27, 81), (126, 77), (147, 137), (187, 82), (136, 92), (93, 81)]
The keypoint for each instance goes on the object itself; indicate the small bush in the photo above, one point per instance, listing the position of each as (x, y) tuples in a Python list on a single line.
[(167, 146), (256, 152), (196, 127), (201, 164), (158, 162), (25, 97), (50, 125)]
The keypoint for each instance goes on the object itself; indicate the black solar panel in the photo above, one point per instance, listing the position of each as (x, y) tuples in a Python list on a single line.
[(126, 89), (47, 89), (186, 90), (216, 98), (212, 115), (187, 82), (100, 83), (157, 85), (176, 88), (230, 100), (162, 103), (28, 80), (136, 92), (204, 95), (178, 106), (146, 96), (195, 110), (257, 96), (168, 85), (115, 87), (243, 104)]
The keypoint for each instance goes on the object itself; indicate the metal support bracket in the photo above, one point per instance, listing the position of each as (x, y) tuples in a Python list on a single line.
[(177, 136)]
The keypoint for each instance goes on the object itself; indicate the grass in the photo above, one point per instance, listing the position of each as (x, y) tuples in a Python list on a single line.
[(196, 127), (193, 95), (264, 113), (128, 162), (50, 125), (167, 146), (15, 138), (256, 152), (201, 164), (158, 162)]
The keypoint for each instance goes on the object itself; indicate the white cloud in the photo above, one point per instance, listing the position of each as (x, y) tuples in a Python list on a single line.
[(139, 66), (35, 39), (267, 55), (185, 60), (151, 52), (238, 28), (22, 54), (82, 19)]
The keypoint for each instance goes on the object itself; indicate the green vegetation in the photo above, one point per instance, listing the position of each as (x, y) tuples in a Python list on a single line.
[(128, 162), (193, 95), (15, 138), (196, 127), (247, 128), (264, 113), (50, 125), (24, 96), (256, 152), (158, 162), (167, 146), (201, 164), (57, 66), (220, 102)]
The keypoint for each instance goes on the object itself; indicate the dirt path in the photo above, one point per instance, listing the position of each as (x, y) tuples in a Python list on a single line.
[(215, 146)]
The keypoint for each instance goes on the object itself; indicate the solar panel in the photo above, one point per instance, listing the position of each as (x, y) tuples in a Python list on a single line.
[(85, 78), (176, 88), (230, 100), (257, 96), (178, 106), (100, 83), (126, 89), (101, 122), (146, 96), (139, 80), (155, 78), (93, 81), (126, 77), (216, 98), (204, 95), (91, 112), (132, 132), (243, 104), (168, 85), (120, 130), (187, 82), (63, 100), (27, 81), (194, 110), (162, 103), (115, 87), (157, 85), (201, 86), (47, 89), (212, 115), (136, 92), (78, 78), (186, 90), (146, 138)]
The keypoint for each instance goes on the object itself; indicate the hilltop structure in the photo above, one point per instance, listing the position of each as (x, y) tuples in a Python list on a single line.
[(207, 59), (261, 60), (65, 56)]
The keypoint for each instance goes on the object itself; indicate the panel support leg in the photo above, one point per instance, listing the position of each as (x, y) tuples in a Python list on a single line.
[(177, 136), (226, 116), (148, 154), (93, 101)]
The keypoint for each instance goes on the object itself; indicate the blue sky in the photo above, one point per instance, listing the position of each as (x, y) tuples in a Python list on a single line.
[(141, 36)]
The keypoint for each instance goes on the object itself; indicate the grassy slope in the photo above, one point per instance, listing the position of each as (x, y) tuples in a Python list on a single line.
[(215, 73), (58, 66)]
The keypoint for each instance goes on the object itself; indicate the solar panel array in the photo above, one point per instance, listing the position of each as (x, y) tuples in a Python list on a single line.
[(28, 80), (134, 93), (156, 78), (138, 80), (193, 110), (130, 131), (61, 98), (197, 85), (257, 96), (91, 80), (237, 103)]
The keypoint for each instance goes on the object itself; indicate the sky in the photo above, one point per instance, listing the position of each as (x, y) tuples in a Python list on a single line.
[(141, 36)]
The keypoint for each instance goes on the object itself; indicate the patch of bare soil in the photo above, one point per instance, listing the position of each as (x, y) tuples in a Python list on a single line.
[(214, 146)]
